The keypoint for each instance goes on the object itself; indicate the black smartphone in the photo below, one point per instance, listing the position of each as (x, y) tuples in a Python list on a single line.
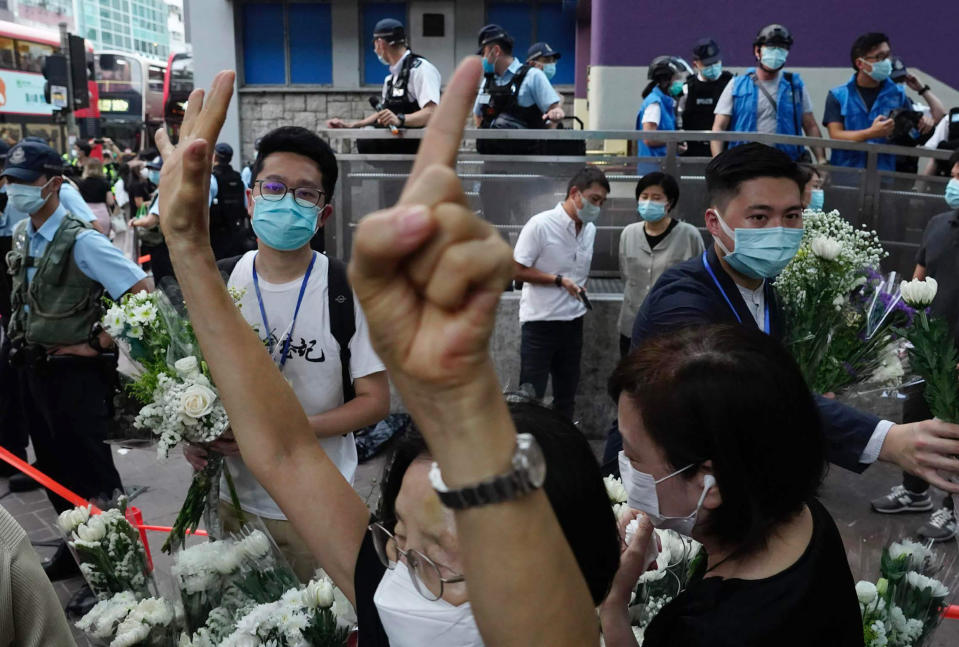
[(585, 299)]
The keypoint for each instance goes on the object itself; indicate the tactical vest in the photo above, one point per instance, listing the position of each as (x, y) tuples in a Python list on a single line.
[(701, 99), (788, 107), (856, 116), (504, 112), (64, 303), (667, 120), (397, 97), (230, 192)]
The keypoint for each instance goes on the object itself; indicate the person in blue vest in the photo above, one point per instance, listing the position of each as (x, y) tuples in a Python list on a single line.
[(859, 110), (766, 99), (666, 75)]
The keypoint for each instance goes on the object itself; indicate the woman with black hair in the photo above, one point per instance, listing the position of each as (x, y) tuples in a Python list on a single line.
[(651, 246), (658, 111), (722, 442)]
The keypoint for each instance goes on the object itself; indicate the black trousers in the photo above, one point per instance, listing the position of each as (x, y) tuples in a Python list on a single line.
[(552, 349), (5, 281), (67, 404), (915, 409)]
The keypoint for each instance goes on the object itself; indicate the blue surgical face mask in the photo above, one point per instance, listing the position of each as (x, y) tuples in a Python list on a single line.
[(27, 198), (589, 212), (284, 224), (549, 69), (880, 70), (651, 211), (712, 72), (153, 176), (952, 193), (676, 88), (488, 67), (760, 253), (773, 57), (816, 199)]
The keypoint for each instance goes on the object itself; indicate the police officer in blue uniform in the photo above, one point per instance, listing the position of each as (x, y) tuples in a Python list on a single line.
[(65, 365), (863, 109), (767, 99)]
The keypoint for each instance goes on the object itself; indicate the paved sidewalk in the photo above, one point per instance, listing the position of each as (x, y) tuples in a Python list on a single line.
[(846, 495)]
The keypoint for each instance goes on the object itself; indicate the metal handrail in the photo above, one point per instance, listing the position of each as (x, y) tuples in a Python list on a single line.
[(633, 135)]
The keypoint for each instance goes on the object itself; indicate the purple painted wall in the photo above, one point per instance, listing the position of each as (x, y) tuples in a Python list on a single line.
[(633, 32), (583, 54)]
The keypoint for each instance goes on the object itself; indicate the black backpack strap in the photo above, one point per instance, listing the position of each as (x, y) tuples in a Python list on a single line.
[(342, 319), (227, 265)]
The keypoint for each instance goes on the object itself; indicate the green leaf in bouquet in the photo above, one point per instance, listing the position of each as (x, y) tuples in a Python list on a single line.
[(893, 569), (191, 512), (323, 630)]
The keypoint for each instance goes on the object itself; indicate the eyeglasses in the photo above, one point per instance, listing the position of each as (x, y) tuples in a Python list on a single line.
[(876, 59), (305, 196), (424, 572)]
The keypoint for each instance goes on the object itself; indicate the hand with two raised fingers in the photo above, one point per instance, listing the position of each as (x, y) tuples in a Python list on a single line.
[(428, 272), (185, 177)]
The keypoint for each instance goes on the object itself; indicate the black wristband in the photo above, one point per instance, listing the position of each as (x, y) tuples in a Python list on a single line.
[(924, 90), (558, 280), (402, 119)]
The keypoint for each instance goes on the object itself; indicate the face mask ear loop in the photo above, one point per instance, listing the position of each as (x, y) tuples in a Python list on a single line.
[(726, 230)]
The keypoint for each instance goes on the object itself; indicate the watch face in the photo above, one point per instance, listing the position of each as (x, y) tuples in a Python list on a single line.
[(529, 458)]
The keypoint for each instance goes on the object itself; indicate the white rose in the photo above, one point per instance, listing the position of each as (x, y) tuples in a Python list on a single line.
[(826, 248), (919, 294), (197, 401), (70, 519), (188, 367), (255, 546), (615, 489), (866, 592), (93, 530), (318, 594)]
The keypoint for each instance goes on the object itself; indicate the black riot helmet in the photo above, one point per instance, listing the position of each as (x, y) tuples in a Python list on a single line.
[(775, 35), (664, 68)]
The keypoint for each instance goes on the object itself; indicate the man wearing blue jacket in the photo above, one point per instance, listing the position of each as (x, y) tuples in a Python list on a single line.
[(755, 218)]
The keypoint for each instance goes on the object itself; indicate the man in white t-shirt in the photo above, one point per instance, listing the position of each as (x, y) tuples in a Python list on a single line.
[(552, 258), (285, 289)]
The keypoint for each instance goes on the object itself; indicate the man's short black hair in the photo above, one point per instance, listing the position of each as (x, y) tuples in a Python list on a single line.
[(83, 146), (585, 178), (862, 46), (666, 181), (732, 167), (294, 139)]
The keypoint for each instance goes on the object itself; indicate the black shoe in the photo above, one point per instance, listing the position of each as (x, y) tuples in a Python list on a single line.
[(20, 482), (62, 565), (80, 602), (7, 470)]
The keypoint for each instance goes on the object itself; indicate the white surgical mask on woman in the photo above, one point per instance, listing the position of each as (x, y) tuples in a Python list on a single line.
[(410, 620)]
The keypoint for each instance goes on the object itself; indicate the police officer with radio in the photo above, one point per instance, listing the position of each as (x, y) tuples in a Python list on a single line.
[(767, 99), (703, 90), (411, 90), (65, 365), (229, 234)]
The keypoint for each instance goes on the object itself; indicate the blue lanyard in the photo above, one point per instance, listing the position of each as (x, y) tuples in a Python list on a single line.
[(299, 300), (728, 302)]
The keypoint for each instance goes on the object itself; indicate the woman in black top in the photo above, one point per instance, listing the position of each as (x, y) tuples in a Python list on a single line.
[(722, 442), (96, 192)]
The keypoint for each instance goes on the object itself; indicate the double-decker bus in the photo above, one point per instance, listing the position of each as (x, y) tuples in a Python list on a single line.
[(177, 87), (130, 97), (23, 109)]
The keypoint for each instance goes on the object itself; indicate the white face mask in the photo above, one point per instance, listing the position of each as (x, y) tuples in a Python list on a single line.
[(641, 495), (410, 620)]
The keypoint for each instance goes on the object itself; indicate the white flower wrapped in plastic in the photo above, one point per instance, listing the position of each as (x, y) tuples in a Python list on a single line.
[(70, 519)]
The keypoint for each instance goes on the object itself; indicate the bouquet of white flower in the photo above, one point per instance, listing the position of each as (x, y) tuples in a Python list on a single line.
[(617, 496), (122, 621), (904, 607), (302, 616), (829, 292), (181, 404), (108, 549)]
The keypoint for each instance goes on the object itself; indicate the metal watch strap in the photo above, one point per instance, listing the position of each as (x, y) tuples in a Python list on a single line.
[(505, 487)]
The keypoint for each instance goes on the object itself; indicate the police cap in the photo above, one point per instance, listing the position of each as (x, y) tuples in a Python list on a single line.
[(390, 30), (706, 51), (224, 151), (491, 34), (774, 35), (29, 160), (537, 50), (155, 164), (899, 70)]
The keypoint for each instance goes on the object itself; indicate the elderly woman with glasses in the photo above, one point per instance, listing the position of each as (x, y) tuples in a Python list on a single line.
[(517, 525)]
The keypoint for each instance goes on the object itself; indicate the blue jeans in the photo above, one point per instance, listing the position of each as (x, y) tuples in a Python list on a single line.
[(552, 348)]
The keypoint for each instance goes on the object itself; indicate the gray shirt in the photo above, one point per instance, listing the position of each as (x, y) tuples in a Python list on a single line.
[(939, 254), (641, 266)]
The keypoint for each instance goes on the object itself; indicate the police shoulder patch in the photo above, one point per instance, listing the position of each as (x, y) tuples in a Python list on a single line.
[(416, 62)]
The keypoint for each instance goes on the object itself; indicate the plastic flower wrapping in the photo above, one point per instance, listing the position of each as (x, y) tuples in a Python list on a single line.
[(904, 607), (840, 312), (180, 403)]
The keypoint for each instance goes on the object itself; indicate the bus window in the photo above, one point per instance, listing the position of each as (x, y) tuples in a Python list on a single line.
[(31, 55), (155, 76), (117, 73), (8, 58)]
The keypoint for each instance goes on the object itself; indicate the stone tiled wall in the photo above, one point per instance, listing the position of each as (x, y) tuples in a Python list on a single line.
[(260, 112)]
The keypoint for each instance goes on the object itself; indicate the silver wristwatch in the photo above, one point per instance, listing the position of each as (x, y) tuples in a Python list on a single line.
[(527, 473)]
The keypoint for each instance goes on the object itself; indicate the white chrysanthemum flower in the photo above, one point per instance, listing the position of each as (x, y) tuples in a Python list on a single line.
[(921, 582), (92, 531), (919, 294), (114, 321), (70, 519), (254, 546), (826, 248), (866, 592), (615, 489)]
